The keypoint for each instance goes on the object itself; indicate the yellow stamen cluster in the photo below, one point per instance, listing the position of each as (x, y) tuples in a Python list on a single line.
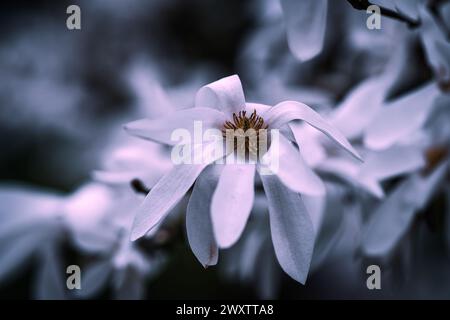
[(244, 132), (241, 121)]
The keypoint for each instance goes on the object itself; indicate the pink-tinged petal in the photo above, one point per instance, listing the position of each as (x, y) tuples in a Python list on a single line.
[(392, 162), (289, 166), (198, 217), (401, 118), (232, 202), (163, 197), (291, 228), (225, 95), (305, 24), (161, 129), (393, 217), (288, 111)]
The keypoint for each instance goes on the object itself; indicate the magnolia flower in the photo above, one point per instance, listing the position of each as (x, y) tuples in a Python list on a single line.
[(391, 145), (222, 196), (392, 219), (37, 222)]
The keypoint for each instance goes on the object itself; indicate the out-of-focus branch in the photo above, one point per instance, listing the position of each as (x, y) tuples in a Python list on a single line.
[(139, 187), (364, 4)]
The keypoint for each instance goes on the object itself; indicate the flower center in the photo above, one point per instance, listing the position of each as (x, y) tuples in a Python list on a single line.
[(241, 121), (247, 134)]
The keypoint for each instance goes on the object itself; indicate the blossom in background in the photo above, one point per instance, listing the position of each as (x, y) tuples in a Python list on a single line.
[(391, 220), (222, 196), (94, 219)]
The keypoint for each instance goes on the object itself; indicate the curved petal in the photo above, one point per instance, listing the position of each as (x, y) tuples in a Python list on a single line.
[(287, 111), (394, 216), (292, 169), (401, 118), (232, 202), (50, 283), (25, 202), (359, 107), (389, 222), (348, 170), (291, 228), (94, 278), (161, 129), (392, 162), (15, 252), (225, 95), (198, 218), (331, 224), (305, 23), (163, 197)]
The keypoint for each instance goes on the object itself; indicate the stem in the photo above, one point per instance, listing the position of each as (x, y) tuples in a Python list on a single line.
[(364, 4)]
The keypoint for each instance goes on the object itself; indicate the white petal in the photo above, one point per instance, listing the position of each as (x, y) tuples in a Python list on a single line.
[(408, 7), (163, 197), (305, 24), (348, 170), (198, 217), (331, 223), (394, 216), (50, 283), (401, 118), (15, 252), (287, 111), (359, 107), (225, 95), (232, 202), (161, 129), (291, 228), (94, 278), (289, 166), (309, 140), (392, 162), (20, 201), (389, 222)]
